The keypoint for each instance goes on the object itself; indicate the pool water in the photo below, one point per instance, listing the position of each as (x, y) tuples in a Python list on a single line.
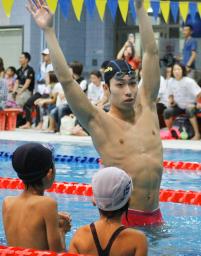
[(180, 235)]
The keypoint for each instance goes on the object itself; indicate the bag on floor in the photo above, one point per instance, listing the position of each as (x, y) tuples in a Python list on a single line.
[(182, 128), (67, 124)]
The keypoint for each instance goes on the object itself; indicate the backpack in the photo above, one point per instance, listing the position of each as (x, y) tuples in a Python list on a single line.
[(182, 128)]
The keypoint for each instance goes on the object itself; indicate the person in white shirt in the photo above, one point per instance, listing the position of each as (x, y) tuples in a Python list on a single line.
[(183, 93), (95, 89)]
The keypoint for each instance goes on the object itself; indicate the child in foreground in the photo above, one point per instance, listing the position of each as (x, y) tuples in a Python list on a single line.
[(112, 189), (31, 219)]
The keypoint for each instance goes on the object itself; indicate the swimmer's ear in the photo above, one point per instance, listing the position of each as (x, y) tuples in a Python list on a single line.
[(50, 173)]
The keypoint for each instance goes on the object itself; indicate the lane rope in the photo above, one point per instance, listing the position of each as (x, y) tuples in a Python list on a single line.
[(167, 164), (81, 189)]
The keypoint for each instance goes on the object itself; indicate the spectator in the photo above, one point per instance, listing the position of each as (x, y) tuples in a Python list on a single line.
[(43, 91), (10, 78), (77, 69), (189, 50), (112, 189), (3, 94), (183, 92), (1, 68), (40, 102), (24, 85), (127, 53), (45, 67), (34, 165), (95, 89)]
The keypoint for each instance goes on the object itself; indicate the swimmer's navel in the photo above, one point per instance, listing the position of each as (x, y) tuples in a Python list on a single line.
[(121, 141), (153, 132)]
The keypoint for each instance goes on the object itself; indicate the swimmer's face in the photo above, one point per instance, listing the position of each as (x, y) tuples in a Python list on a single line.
[(123, 92)]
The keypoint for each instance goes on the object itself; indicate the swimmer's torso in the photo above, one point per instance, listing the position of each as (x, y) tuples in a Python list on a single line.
[(137, 149)]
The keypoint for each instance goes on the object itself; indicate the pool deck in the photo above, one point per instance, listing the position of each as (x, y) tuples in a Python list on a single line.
[(33, 135)]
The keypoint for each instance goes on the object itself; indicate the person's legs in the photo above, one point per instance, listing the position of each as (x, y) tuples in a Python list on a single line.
[(28, 109), (53, 119), (170, 113), (191, 111)]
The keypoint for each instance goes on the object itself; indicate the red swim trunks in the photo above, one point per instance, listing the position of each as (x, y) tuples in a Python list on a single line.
[(141, 218)]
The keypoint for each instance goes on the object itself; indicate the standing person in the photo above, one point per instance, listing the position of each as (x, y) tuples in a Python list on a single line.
[(3, 93), (128, 136), (34, 165), (112, 189), (189, 50), (25, 81)]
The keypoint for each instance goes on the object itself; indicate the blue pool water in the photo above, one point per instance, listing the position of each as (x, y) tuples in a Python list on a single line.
[(179, 236)]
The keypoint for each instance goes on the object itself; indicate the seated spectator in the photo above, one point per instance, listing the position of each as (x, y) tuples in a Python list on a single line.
[(95, 89), (183, 93), (2, 70), (112, 189), (24, 85), (77, 69), (10, 78), (127, 53), (39, 101), (34, 165), (3, 94)]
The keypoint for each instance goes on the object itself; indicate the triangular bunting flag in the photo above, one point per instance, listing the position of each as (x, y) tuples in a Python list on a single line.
[(183, 7), (90, 5), (174, 10), (64, 4), (155, 6), (113, 4), (199, 8), (192, 9), (165, 9), (7, 5), (146, 4), (123, 6), (132, 9), (77, 7), (52, 5), (100, 4)]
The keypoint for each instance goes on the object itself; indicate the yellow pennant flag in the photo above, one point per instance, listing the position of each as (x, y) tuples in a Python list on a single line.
[(165, 10), (147, 4), (123, 7), (52, 5), (199, 8), (101, 4), (77, 6), (7, 5), (183, 7)]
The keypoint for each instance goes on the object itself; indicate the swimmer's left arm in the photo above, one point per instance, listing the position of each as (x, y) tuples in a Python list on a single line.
[(150, 62)]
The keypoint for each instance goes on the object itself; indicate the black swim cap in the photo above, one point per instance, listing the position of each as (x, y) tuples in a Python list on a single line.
[(115, 66), (32, 161)]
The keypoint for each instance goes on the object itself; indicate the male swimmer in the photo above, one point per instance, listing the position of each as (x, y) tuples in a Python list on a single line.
[(128, 135)]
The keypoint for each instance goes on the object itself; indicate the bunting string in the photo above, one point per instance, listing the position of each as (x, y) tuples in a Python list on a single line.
[(184, 9)]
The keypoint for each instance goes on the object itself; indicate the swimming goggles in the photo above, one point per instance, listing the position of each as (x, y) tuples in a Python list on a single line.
[(120, 74)]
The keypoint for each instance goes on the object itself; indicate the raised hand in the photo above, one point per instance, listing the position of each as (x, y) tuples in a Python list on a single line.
[(40, 13)]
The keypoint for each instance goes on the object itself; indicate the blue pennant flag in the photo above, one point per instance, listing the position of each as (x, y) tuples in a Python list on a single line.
[(113, 4), (90, 5), (155, 6), (192, 10), (174, 6), (132, 9), (65, 5)]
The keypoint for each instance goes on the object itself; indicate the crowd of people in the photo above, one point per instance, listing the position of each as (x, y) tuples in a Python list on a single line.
[(45, 106)]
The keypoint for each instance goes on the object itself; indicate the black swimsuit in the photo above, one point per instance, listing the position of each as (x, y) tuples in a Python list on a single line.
[(106, 251)]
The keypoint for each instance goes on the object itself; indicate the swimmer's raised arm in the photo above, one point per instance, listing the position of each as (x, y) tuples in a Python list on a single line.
[(76, 98), (150, 61)]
